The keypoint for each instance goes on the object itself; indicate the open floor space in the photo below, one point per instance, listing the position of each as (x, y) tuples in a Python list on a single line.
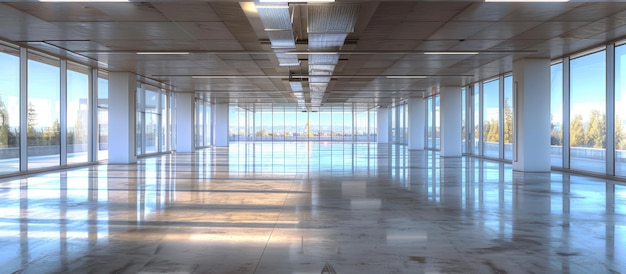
[(293, 207)]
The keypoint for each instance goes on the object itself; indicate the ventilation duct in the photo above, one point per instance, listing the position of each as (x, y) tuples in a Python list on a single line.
[(276, 20), (328, 27)]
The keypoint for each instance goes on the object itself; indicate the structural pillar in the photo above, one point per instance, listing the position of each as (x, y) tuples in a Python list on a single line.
[(382, 121), (220, 131), (185, 121), (451, 123), (122, 130), (531, 100), (417, 123)]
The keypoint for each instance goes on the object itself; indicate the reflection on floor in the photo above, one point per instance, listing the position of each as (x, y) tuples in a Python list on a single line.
[(292, 208)]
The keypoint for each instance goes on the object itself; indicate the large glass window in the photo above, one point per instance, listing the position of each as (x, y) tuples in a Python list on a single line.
[(279, 123), (620, 110), (588, 106), (164, 117), (77, 113), (103, 116), (172, 121), (508, 117), (556, 114), (44, 107), (491, 118), (9, 110), (152, 120), (302, 123), (476, 119), (208, 135), (199, 123), (437, 125), (429, 123), (337, 122), (140, 117), (463, 120)]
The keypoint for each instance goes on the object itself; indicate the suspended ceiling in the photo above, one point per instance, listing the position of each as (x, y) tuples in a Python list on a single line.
[(231, 56)]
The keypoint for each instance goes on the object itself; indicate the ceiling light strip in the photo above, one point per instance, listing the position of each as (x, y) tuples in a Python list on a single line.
[(527, 1), (451, 52), (163, 52)]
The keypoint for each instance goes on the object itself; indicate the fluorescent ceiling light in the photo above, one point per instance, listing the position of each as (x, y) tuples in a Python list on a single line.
[(406, 76), (161, 52), (236, 76), (451, 52), (296, 1), (530, 1), (83, 1), (272, 7), (311, 52)]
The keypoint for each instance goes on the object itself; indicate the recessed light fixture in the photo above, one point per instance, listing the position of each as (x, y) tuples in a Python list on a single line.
[(529, 1), (296, 1), (272, 6), (406, 76), (312, 52), (162, 52), (451, 52), (236, 76), (83, 1)]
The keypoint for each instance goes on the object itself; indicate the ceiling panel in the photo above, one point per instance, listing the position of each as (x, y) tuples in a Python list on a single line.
[(227, 38)]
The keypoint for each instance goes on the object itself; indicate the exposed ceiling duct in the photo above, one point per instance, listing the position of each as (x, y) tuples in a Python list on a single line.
[(276, 20), (328, 27)]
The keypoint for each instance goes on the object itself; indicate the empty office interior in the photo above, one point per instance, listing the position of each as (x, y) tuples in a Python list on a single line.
[(342, 136)]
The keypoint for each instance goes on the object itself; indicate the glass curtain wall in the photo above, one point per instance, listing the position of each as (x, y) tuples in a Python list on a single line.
[(140, 117), (556, 114), (398, 124), (102, 129), (57, 112), (284, 122), (476, 119), (172, 121), (491, 118), (429, 123), (43, 114), (203, 123), (586, 108), (620, 110), (487, 118), (437, 126), (463, 120), (9, 110), (77, 113), (588, 112), (508, 117), (163, 137), (152, 119)]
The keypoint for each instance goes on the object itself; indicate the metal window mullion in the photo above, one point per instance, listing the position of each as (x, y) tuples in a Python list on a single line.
[(23, 109), (501, 117), (610, 110), (63, 111), (566, 113)]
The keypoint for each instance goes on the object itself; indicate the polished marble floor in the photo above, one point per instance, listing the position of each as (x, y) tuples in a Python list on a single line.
[(292, 207)]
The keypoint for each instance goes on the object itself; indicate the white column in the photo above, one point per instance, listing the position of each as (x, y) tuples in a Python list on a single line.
[(382, 121), (417, 123), (531, 100), (185, 121), (122, 89), (220, 131), (450, 109)]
